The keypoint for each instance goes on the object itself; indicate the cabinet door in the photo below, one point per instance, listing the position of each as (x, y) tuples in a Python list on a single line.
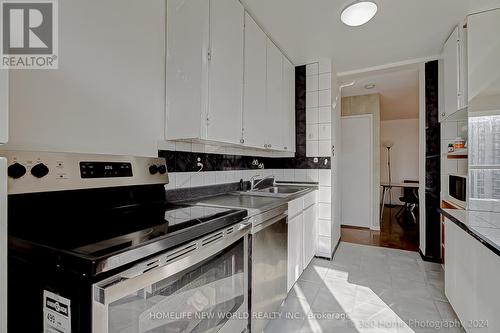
[(288, 123), (274, 96), (309, 234), (226, 71), (255, 126), (450, 264), (451, 74), (483, 47), (463, 100), (187, 71), (295, 266)]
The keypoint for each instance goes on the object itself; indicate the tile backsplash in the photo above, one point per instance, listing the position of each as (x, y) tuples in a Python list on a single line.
[(318, 109)]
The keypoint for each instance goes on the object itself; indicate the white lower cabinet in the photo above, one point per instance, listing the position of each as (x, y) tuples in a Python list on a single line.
[(295, 265), (302, 235), (471, 280), (309, 217)]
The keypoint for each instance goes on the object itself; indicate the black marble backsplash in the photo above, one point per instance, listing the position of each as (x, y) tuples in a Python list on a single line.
[(178, 161), (300, 111)]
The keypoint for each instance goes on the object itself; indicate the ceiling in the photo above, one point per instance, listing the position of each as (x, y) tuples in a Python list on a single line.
[(398, 89), (402, 30)]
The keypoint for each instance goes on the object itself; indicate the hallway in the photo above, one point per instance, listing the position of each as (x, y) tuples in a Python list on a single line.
[(393, 234), (368, 289)]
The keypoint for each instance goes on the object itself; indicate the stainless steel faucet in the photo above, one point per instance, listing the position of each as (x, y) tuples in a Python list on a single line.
[(253, 184)]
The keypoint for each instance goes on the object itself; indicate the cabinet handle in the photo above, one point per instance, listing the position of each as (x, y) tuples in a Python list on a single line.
[(242, 140), (265, 146), (269, 145), (443, 114)]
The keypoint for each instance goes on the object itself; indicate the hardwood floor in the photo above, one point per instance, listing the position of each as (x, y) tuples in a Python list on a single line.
[(392, 234)]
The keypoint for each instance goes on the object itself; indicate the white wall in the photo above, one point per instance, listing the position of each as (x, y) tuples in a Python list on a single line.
[(108, 95), (404, 133)]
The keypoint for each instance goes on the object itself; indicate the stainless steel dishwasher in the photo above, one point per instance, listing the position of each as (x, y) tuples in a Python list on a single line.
[(268, 261)]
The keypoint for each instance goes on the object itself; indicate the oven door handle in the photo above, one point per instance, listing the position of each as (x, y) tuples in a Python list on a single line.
[(128, 283)]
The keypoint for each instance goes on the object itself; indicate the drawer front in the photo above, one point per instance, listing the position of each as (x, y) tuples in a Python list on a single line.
[(310, 199), (295, 207)]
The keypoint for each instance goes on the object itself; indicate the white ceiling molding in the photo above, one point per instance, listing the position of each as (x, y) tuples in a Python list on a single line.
[(395, 65)]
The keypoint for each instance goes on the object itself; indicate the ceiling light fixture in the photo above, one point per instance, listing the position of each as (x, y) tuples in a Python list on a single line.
[(358, 13), (369, 86)]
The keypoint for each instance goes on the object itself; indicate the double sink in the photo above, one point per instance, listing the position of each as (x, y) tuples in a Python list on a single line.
[(283, 191)]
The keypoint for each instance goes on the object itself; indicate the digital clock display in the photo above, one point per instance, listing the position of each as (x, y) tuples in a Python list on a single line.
[(105, 169)]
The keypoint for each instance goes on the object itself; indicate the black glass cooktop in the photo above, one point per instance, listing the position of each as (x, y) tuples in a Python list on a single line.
[(85, 228), (177, 218)]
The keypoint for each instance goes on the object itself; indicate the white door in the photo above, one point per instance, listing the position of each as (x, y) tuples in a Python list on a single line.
[(309, 234), (295, 266), (226, 67), (3, 245), (357, 166), (274, 96), (255, 126), (288, 120)]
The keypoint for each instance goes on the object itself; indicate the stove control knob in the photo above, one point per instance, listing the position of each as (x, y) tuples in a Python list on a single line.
[(153, 169), (16, 170), (162, 169), (40, 170)]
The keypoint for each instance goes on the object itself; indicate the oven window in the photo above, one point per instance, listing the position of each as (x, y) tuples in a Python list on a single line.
[(201, 298)]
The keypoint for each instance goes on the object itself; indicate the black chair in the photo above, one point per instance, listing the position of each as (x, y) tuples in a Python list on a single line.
[(410, 199)]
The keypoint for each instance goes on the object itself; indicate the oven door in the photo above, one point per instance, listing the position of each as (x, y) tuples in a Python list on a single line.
[(199, 287)]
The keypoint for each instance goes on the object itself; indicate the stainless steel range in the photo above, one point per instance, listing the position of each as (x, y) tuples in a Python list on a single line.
[(94, 247)]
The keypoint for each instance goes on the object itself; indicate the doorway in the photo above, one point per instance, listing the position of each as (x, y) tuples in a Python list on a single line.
[(391, 98), (356, 166)]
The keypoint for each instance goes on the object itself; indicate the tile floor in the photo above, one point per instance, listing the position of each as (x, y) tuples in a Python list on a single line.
[(367, 289)]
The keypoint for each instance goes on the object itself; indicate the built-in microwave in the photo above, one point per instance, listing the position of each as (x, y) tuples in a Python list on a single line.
[(457, 190)]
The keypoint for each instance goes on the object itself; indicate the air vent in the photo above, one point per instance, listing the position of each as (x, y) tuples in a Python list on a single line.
[(229, 231), (181, 252), (153, 263), (150, 269), (213, 238)]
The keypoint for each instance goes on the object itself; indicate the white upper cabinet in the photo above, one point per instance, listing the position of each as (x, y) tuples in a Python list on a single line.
[(483, 60), (455, 73), (227, 82), (204, 70), (255, 110), (187, 68), (274, 97), (226, 71), (288, 95)]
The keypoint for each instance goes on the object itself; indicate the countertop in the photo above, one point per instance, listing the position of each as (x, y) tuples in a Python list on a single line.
[(253, 204), (484, 226)]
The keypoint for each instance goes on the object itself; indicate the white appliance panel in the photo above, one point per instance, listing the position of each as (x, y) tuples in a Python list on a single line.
[(4, 106)]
